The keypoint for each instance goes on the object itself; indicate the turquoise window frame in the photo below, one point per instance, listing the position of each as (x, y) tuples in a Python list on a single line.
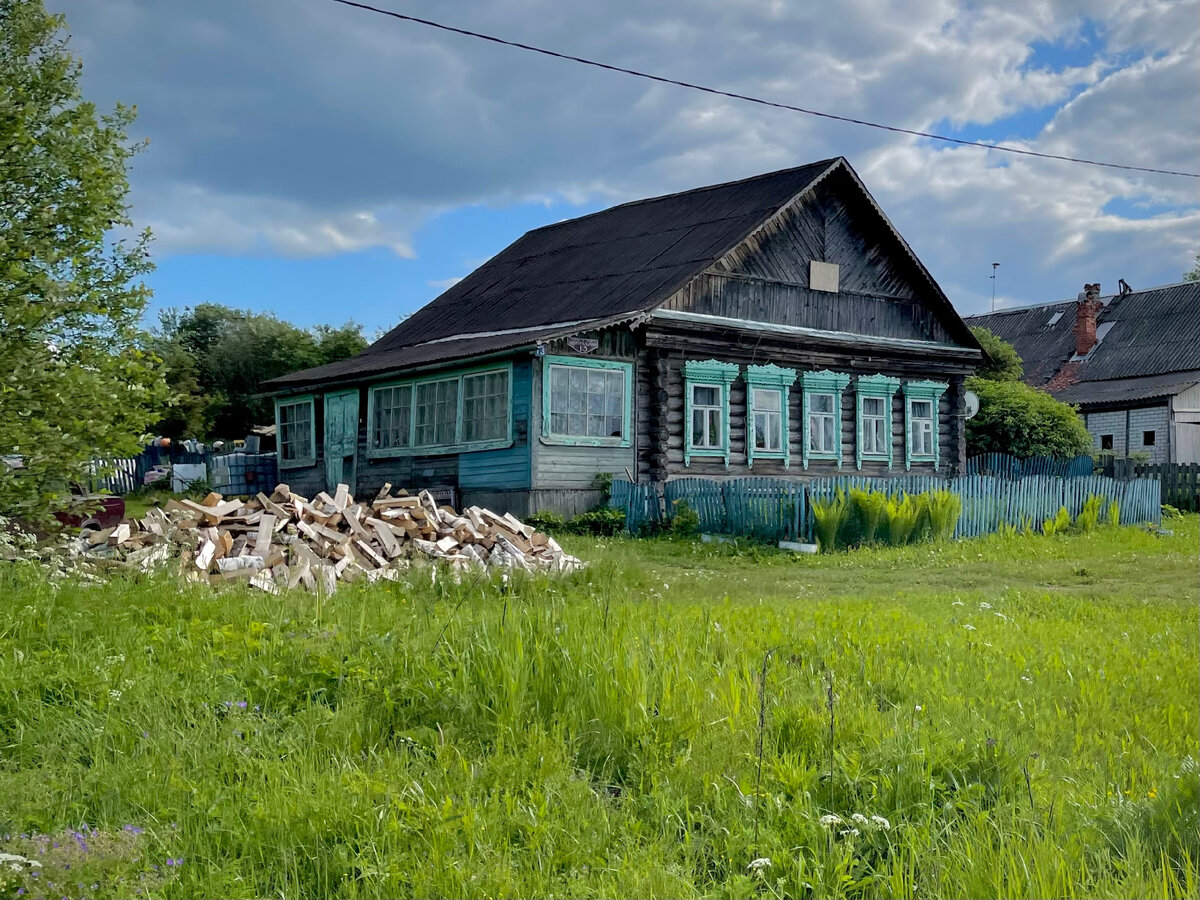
[(708, 373), (577, 440), (884, 387), (457, 445), (768, 377), (310, 459), (824, 382), (923, 390)]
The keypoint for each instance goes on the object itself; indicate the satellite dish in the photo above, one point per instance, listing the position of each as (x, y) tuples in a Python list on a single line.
[(972, 399)]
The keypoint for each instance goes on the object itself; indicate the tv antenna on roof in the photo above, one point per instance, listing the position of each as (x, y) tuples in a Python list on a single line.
[(995, 266)]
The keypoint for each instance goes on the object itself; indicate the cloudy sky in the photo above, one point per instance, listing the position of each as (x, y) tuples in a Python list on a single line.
[(327, 163)]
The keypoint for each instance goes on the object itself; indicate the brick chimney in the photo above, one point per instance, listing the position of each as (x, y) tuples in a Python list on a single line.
[(1085, 319)]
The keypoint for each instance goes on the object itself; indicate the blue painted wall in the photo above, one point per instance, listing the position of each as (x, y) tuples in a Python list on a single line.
[(506, 469)]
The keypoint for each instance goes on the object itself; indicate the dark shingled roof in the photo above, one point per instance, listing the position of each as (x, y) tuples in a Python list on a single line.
[(1155, 332), (586, 272)]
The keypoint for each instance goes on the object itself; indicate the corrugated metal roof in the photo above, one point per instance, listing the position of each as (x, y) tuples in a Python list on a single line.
[(1150, 332), (1118, 391), (1043, 342)]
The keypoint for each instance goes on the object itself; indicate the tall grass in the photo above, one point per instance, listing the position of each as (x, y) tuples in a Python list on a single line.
[(433, 738)]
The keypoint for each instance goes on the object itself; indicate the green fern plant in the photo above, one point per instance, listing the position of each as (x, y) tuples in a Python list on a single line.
[(1089, 516), (1059, 524), (828, 516), (1114, 513), (869, 508), (902, 512), (944, 507)]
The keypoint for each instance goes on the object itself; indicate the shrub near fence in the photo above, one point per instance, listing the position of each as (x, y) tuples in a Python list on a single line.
[(776, 509)]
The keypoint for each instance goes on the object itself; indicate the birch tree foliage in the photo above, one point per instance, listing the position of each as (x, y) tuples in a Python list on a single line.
[(77, 381)]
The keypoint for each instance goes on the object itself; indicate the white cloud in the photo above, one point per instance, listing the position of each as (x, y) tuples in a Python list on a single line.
[(317, 129)]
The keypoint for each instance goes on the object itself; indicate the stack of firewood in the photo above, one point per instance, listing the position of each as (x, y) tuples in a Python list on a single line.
[(288, 541)]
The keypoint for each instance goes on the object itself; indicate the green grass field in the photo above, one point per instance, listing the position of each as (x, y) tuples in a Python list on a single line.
[(1021, 712)]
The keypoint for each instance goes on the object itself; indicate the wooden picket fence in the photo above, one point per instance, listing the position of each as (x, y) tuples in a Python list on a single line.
[(778, 509), (1001, 465), (1180, 482)]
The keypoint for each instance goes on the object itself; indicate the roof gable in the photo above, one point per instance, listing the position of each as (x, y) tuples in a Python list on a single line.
[(607, 267), (618, 261)]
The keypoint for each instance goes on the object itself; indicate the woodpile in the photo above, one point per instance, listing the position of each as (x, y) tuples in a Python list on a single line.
[(288, 541)]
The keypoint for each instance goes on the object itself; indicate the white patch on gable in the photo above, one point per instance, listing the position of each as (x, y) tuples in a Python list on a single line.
[(823, 276)]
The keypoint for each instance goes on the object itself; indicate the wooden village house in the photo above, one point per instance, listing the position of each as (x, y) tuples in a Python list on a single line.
[(778, 325)]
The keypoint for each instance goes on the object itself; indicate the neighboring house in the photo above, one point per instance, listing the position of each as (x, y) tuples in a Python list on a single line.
[(1130, 361), (777, 325)]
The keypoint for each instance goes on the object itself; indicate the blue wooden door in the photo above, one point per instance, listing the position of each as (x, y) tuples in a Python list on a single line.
[(341, 439)]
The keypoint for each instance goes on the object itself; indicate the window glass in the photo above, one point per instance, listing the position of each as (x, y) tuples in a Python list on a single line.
[(587, 402), (295, 430), (822, 424), (874, 426), (768, 420), (707, 411), (920, 414), (485, 406), (436, 404), (393, 416)]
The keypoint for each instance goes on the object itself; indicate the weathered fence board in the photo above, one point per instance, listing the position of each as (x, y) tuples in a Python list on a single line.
[(1002, 465), (1180, 482), (779, 509)]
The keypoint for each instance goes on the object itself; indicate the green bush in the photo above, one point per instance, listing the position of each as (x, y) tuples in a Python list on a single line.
[(1022, 421), (685, 521), (601, 521), (547, 520), (869, 507)]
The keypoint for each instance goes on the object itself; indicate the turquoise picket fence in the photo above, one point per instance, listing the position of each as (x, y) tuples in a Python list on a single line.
[(1001, 465), (778, 509)]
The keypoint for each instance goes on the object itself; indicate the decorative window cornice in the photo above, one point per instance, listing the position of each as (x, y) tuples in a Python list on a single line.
[(770, 375), (710, 371)]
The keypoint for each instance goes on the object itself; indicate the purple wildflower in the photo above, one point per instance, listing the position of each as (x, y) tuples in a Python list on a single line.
[(242, 704)]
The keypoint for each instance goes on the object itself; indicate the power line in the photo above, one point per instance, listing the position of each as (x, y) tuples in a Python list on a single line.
[(748, 99)]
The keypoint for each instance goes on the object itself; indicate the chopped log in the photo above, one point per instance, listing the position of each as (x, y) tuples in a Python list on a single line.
[(262, 542)]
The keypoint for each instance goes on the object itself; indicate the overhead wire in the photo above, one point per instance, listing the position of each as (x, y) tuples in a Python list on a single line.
[(746, 98)]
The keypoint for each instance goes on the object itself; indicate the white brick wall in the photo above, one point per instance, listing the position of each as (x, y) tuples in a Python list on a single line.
[(1152, 418)]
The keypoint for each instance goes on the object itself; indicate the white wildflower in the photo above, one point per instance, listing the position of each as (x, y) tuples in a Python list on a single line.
[(969, 627), (985, 605), (1000, 616), (717, 627), (115, 694), (1027, 679), (849, 832), (757, 865), (831, 820), (881, 822), (957, 603), (917, 708), (859, 819)]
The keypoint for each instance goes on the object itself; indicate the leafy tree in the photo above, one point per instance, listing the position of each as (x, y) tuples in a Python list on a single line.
[(217, 357), (1022, 421), (1005, 364), (1193, 274), (77, 380)]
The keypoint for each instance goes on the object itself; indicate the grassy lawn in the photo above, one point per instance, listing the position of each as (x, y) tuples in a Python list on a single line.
[(1022, 713)]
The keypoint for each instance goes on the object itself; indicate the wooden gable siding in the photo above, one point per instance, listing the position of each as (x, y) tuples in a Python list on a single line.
[(766, 278), (779, 303)]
